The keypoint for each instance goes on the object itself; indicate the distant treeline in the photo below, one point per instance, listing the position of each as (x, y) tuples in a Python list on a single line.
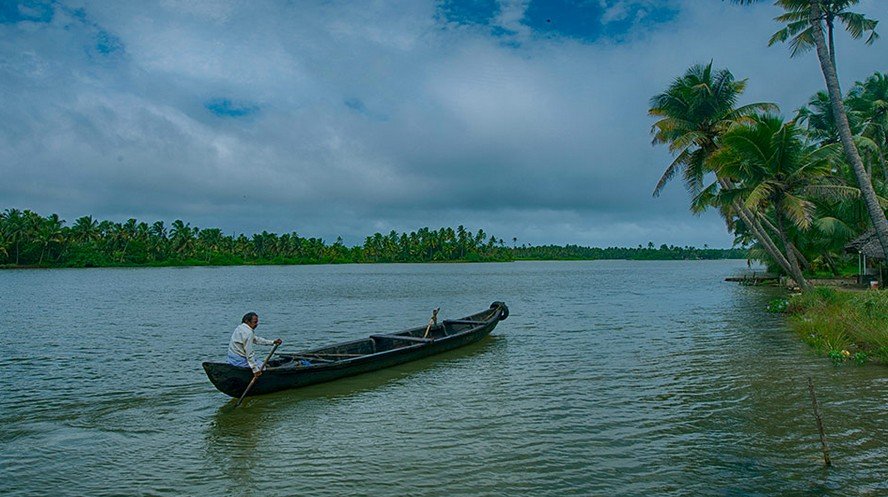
[(30, 240), (639, 253)]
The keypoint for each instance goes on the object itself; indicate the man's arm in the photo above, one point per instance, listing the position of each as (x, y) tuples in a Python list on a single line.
[(258, 340), (257, 371)]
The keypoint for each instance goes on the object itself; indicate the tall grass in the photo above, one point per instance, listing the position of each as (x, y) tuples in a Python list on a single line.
[(846, 326)]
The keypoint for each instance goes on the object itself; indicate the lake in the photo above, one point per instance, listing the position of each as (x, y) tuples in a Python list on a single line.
[(609, 378)]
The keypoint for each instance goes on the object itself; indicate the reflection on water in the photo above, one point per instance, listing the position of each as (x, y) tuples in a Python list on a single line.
[(232, 437), (608, 378)]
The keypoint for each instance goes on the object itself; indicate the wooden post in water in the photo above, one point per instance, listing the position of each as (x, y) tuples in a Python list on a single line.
[(826, 460)]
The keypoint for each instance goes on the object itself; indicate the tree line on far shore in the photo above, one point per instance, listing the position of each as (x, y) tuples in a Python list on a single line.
[(28, 239)]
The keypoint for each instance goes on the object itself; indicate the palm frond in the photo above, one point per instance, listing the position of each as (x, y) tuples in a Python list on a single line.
[(779, 37), (705, 198), (759, 195), (798, 210), (755, 108), (858, 24), (677, 164), (831, 192), (801, 43), (833, 227)]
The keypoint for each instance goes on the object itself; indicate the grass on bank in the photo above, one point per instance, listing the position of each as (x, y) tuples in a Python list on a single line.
[(847, 326)]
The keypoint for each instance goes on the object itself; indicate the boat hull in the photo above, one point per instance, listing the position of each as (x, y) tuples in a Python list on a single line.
[(385, 351)]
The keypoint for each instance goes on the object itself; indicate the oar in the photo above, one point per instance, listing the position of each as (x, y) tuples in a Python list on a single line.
[(264, 363)]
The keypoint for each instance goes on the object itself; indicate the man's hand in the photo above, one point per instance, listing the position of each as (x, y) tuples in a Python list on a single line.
[(278, 341), (257, 374)]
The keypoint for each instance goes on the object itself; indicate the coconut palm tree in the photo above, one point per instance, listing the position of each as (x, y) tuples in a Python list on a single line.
[(15, 229), (48, 235), (4, 252), (694, 112), (695, 109), (85, 230), (805, 23), (869, 102), (778, 172), (817, 116), (182, 238)]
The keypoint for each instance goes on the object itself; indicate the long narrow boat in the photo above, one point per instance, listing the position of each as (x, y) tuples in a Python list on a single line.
[(329, 363)]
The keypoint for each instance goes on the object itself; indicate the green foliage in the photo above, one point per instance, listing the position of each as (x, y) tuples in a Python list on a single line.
[(860, 358), (788, 179), (27, 239), (798, 28), (777, 305), (836, 357), (845, 326), (639, 253)]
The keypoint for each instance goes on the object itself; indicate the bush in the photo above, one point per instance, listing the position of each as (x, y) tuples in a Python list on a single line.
[(777, 305), (845, 326)]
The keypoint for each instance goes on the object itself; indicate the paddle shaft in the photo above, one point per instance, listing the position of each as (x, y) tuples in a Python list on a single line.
[(264, 363)]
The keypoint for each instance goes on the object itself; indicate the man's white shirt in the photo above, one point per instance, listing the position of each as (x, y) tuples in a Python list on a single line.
[(242, 341)]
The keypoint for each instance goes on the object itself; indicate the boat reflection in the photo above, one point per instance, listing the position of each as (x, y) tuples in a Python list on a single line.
[(236, 437)]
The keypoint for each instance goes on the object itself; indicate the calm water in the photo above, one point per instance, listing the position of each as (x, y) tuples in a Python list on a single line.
[(609, 378)]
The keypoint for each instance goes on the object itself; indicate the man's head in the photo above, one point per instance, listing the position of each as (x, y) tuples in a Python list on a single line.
[(251, 319)]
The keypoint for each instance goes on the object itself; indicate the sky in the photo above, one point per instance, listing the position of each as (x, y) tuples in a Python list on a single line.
[(525, 118)]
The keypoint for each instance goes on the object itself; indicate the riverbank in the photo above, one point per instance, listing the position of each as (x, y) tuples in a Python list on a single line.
[(847, 326)]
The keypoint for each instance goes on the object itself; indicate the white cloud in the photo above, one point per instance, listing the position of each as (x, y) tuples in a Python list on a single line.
[(546, 141)]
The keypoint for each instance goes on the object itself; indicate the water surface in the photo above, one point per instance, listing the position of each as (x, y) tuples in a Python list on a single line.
[(609, 378)]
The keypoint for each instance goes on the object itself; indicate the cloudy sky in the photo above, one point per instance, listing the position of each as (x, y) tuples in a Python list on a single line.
[(526, 118)]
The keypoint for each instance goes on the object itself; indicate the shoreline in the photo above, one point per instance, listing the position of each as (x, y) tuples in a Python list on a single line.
[(13, 267), (848, 324)]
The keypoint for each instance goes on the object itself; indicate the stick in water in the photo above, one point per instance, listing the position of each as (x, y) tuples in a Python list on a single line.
[(264, 363), (826, 460)]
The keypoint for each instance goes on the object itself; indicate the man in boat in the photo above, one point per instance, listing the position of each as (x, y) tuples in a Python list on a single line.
[(240, 348)]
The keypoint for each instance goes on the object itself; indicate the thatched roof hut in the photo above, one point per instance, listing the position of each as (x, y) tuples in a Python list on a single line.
[(868, 245)]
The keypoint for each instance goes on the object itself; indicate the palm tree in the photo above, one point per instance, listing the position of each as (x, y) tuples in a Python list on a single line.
[(85, 230), (817, 115), (125, 233), (182, 238), (777, 172), (694, 112), (695, 109), (210, 240), (869, 101), (15, 228), (805, 21), (49, 233)]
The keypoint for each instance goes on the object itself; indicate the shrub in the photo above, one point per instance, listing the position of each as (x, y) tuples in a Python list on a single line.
[(843, 325)]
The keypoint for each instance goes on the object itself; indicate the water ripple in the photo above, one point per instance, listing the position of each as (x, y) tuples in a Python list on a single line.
[(609, 378)]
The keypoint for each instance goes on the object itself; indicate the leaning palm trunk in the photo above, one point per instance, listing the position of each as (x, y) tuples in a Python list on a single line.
[(790, 252), (761, 234), (765, 240), (803, 261), (877, 215), (787, 262)]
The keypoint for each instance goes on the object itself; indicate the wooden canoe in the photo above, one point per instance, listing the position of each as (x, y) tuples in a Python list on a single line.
[(336, 361)]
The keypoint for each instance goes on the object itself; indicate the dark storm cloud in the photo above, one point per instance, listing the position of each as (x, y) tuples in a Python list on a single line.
[(333, 118)]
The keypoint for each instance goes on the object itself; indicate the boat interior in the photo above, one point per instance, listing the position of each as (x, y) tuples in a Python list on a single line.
[(377, 344)]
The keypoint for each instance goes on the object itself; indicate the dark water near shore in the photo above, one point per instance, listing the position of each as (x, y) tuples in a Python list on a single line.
[(609, 378)]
